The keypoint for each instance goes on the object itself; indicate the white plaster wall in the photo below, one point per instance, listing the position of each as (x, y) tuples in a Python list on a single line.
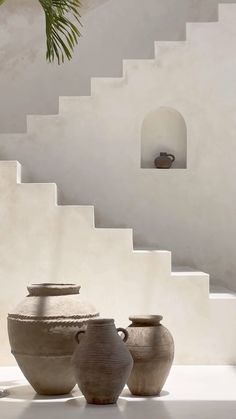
[(117, 29), (201, 213), (92, 150), (41, 241)]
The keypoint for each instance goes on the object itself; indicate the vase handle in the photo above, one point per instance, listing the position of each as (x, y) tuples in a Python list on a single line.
[(77, 335), (172, 157), (120, 329)]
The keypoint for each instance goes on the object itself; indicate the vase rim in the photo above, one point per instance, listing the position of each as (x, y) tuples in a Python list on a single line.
[(148, 319), (53, 288)]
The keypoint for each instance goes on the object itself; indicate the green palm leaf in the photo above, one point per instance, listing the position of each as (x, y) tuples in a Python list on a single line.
[(61, 33)]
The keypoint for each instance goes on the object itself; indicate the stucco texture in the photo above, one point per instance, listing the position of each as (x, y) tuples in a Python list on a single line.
[(112, 30), (92, 149)]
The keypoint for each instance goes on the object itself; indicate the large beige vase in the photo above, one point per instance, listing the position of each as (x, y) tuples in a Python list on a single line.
[(102, 362), (152, 348), (41, 332)]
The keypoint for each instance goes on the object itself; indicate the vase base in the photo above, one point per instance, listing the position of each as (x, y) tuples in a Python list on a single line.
[(145, 394), (101, 402)]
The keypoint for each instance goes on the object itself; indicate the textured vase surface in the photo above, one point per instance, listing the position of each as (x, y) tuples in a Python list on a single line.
[(152, 348), (41, 333), (102, 362)]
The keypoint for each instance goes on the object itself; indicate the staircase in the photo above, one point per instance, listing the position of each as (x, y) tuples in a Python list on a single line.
[(25, 70), (45, 242), (61, 243), (96, 140)]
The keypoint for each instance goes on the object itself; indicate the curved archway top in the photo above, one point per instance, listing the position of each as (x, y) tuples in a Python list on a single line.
[(164, 130), (166, 108)]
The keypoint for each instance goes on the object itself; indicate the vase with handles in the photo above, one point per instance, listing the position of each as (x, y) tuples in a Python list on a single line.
[(102, 362), (41, 332), (164, 160), (152, 348)]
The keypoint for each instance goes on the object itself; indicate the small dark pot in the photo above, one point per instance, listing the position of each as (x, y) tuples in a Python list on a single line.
[(164, 161)]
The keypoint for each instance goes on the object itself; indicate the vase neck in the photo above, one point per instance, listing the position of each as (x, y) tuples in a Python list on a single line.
[(100, 322), (148, 320), (102, 330), (47, 289)]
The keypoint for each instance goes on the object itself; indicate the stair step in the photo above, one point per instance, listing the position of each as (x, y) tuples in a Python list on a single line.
[(77, 214), (201, 32), (227, 12), (187, 269), (162, 48), (159, 261), (218, 292), (191, 281), (136, 65), (10, 173), (188, 273), (71, 104), (205, 31), (40, 194), (44, 125), (99, 85), (119, 238)]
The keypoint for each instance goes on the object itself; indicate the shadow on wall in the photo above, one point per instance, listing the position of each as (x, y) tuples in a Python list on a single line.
[(164, 130)]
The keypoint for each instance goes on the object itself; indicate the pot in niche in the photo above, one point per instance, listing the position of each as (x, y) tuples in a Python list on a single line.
[(152, 348), (164, 160), (102, 362), (41, 333)]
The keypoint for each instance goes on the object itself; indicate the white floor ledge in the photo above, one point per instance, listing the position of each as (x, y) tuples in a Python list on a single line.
[(204, 392)]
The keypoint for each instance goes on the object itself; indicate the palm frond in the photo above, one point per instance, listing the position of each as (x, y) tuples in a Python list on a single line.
[(62, 33)]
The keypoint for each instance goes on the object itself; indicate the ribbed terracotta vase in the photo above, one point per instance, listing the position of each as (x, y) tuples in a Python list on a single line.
[(102, 362), (152, 348), (41, 332)]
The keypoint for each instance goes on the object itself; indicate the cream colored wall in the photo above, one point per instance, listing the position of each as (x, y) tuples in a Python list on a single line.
[(41, 241), (101, 166), (92, 150), (111, 32)]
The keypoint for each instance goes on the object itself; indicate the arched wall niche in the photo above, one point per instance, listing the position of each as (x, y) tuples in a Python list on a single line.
[(164, 130)]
